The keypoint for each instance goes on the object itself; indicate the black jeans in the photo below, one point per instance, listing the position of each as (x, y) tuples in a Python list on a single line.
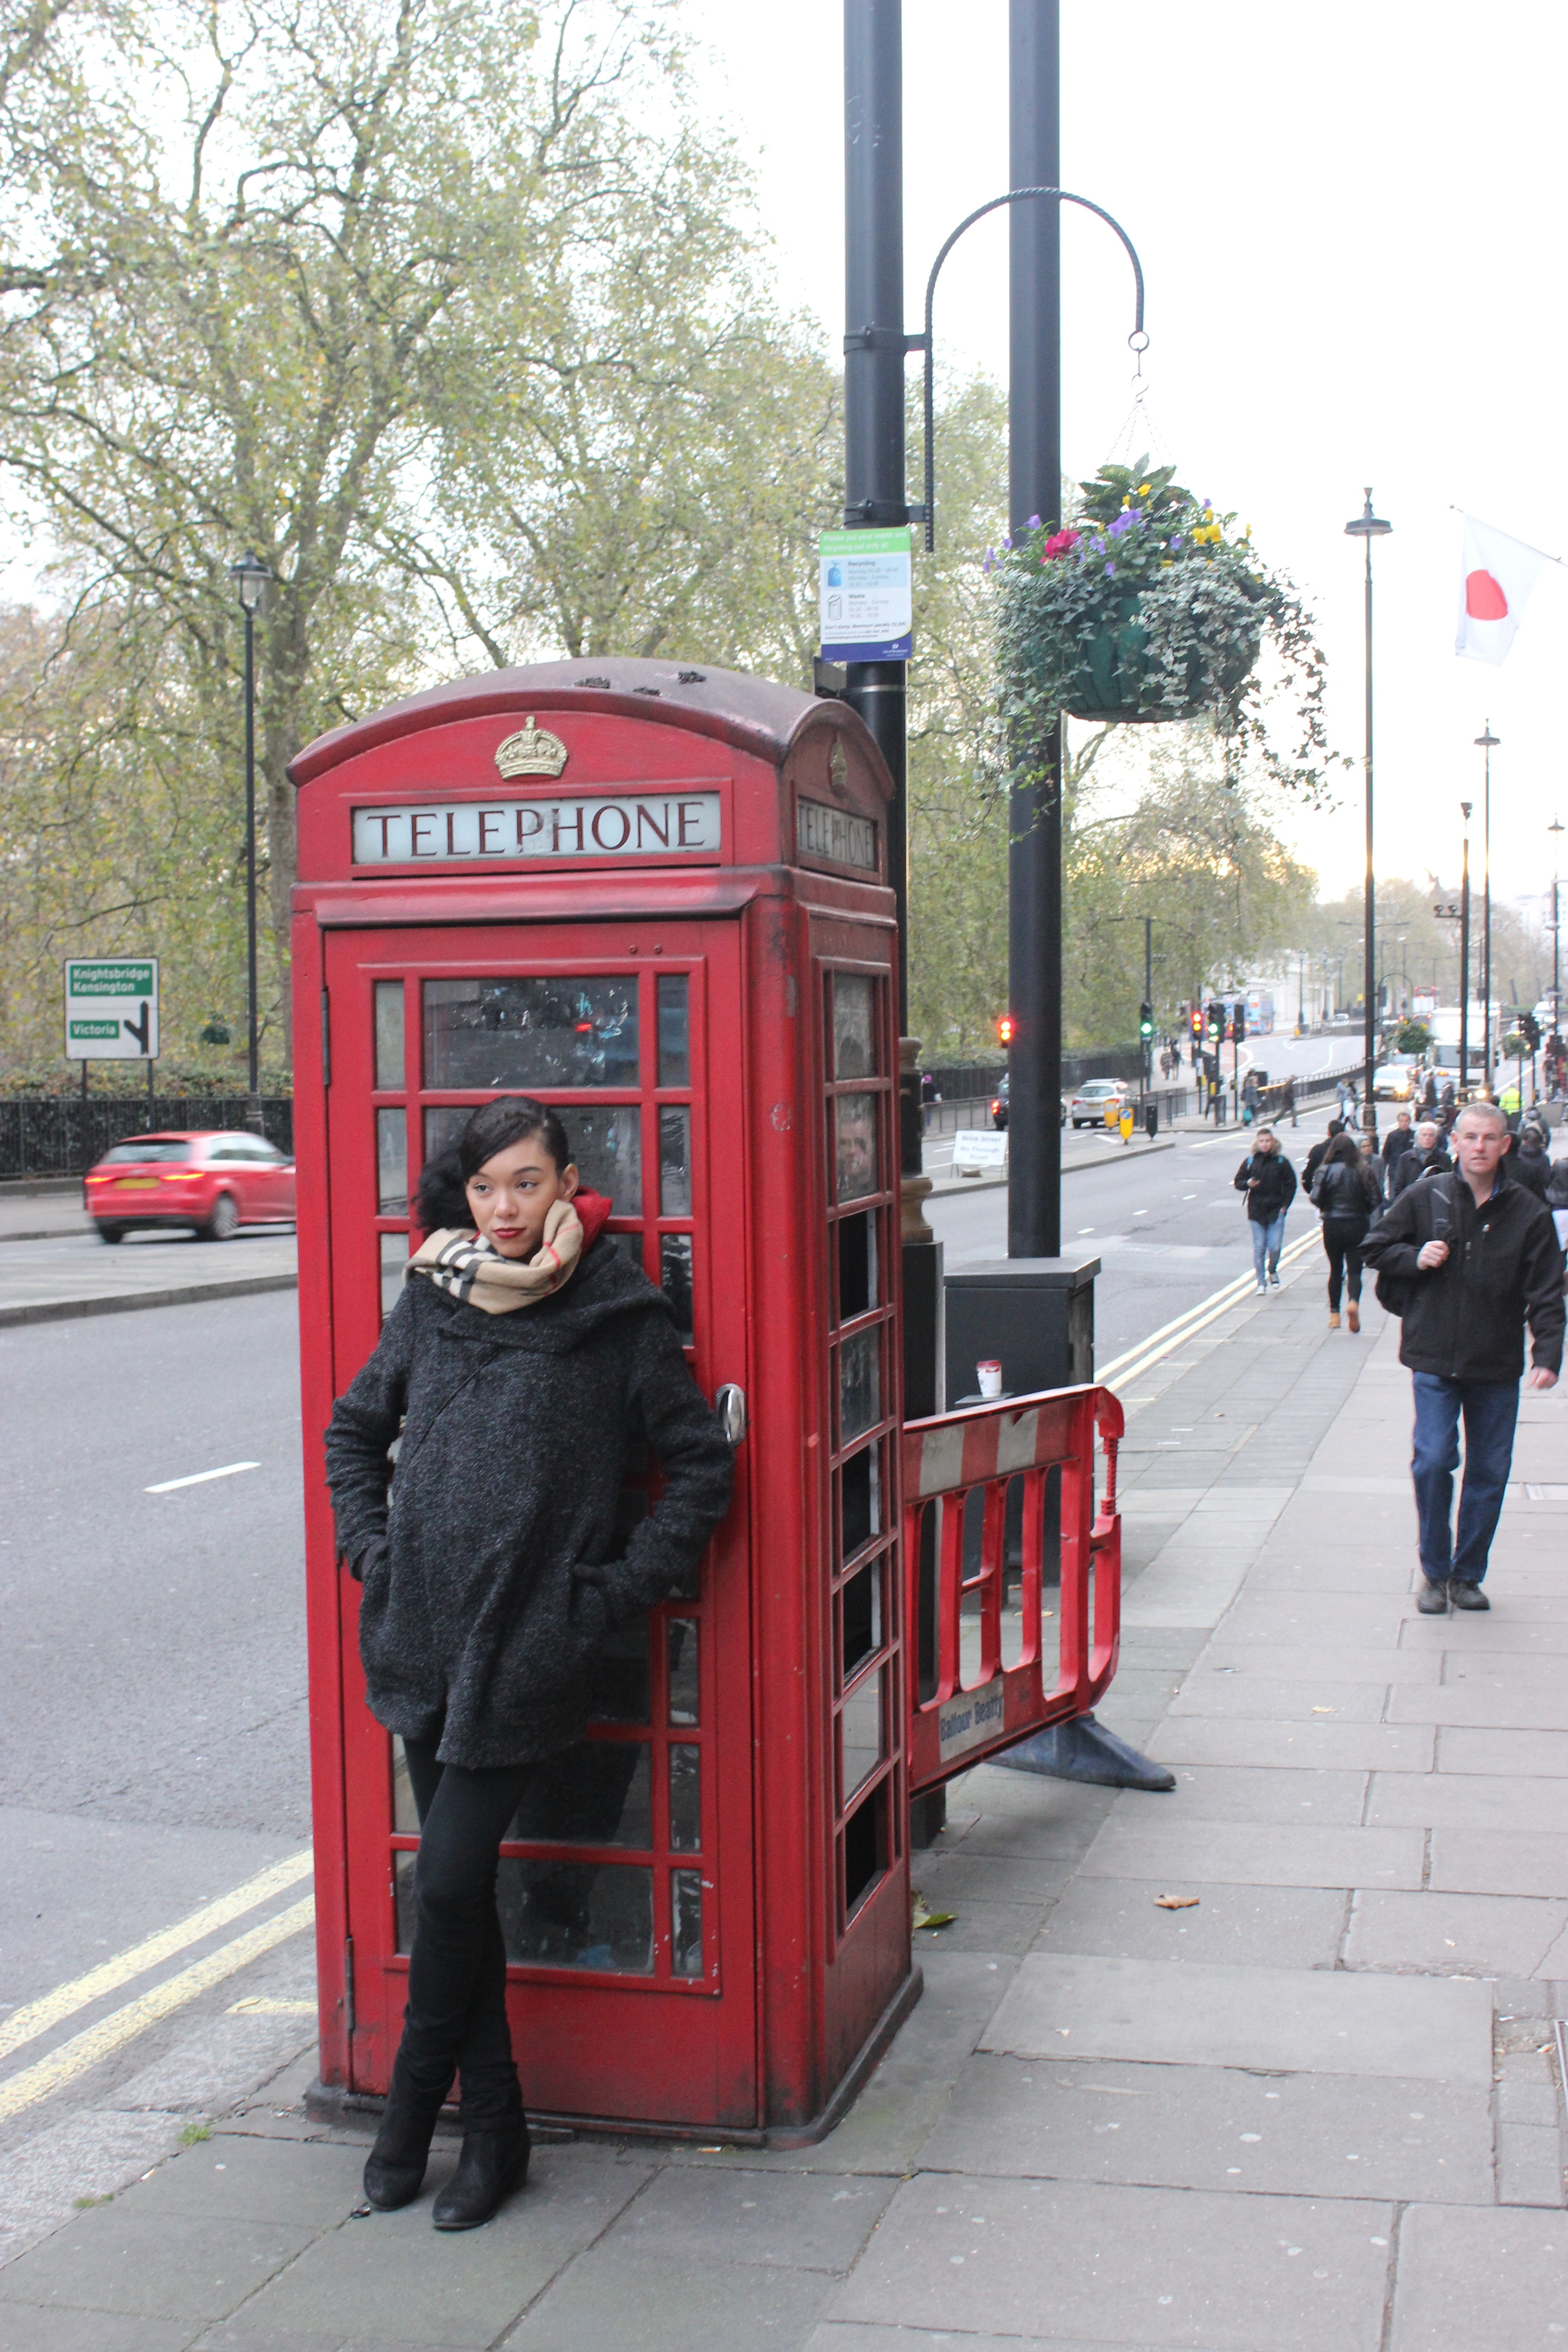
[(455, 2022), (1342, 1238)]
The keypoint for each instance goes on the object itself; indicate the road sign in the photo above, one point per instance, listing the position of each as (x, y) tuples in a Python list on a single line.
[(865, 580), (111, 1009), (975, 1147)]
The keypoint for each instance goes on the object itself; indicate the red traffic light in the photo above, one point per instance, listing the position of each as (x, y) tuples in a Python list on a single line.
[(1004, 1028)]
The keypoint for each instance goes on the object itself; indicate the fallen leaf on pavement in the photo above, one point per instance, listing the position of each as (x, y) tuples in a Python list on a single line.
[(925, 1917), (1176, 1901)]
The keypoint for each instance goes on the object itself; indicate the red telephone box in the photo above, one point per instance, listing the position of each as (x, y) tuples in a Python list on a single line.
[(657, 900)]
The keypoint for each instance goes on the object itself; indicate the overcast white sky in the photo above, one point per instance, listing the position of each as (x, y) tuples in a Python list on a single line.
[(1350, 221)]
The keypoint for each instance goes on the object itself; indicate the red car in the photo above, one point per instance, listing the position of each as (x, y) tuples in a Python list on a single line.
[(213, 1182)]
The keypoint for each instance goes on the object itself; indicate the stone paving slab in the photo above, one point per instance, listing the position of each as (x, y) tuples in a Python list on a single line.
[(1219, 2128), (1489, 2281), (1255, 1854), (1125, 2265), (1267, 1926), (1452, 1934), (1198, 2014)]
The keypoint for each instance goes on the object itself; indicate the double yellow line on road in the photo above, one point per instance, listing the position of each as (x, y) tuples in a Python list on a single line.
[(1136, 1361), (98, 2042)]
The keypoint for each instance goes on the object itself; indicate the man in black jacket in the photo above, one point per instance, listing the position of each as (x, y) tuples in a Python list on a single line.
[(1396, 1144), (1426, 1157), (1319, 1153), (1479, 1256)]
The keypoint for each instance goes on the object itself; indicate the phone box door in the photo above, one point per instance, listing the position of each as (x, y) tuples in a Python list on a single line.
[(626, 1882)]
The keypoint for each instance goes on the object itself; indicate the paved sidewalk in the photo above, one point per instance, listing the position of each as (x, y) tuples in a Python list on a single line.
[(1317, 2106), (73, 1273)]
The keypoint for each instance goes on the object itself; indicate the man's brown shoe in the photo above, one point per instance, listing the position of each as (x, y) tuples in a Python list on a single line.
[(1466, 1595), (1353, 1316), (1433, 1600)]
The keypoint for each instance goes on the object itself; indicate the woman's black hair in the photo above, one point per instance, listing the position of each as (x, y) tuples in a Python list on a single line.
[(1344, 1152), (510, 1119)]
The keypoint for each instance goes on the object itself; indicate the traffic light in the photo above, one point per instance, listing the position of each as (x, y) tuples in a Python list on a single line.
[(1146, 1022), (1195, 1020), (1215, 1020), (1238, 1023), (1004, 1028), (1529, 1030)]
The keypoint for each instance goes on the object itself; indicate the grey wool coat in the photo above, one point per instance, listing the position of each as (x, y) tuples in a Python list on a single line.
[(494, 1569)]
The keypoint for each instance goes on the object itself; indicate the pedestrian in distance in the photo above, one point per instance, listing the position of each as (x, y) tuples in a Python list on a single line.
[(1287, 1099), (1467, 1260), (1396, 1143), (1529, 1162), (1429, 1092), (1320, 1151), (525, 1362), (1374, 1166), (1557, 1185), (1428, 1156), (1447, 1103), (1345, 1197), (1267, 1182), (1249, 1099)]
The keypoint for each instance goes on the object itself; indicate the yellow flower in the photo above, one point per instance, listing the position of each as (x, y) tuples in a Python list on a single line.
[(1144, 488)]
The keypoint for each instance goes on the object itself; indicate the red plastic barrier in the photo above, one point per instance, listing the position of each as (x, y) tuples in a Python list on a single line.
[(979, 1704)]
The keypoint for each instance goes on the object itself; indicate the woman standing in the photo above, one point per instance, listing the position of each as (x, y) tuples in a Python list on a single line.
[(1268, 1182), (1346, 1198), (523, 1361)]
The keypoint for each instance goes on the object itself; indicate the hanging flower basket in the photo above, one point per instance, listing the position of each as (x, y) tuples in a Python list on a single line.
[(1152, 608)]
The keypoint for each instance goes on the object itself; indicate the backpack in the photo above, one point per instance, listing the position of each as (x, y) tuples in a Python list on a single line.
[(1392, 1291)]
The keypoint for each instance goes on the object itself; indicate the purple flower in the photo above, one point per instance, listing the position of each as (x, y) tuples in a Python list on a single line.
[(1007, 544), (1177, 541), (1110, 570), (1034, 523)]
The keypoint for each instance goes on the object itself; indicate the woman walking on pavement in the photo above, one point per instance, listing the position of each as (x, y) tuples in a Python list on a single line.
[(1268, 1180), (523, 1361), (1346, 1198)]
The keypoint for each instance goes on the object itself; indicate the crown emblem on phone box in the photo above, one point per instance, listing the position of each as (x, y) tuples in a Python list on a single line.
[(531, 751)]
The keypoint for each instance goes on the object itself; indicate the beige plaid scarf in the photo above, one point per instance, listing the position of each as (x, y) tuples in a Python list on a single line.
[(466, 1266)]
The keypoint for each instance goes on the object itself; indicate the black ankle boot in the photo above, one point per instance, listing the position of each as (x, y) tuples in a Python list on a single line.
[(394, 2169), (490, 2167)]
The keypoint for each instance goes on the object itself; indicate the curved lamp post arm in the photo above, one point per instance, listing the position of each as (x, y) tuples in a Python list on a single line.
[(1013, 196)]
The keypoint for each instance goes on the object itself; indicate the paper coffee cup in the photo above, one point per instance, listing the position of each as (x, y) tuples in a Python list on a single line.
[(989, 1375)]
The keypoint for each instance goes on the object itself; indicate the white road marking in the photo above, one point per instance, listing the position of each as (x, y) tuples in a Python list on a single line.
[(37, 2016), (88, 2049), (200, 1477)]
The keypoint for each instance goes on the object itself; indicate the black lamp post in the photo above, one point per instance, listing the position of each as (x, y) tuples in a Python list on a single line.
[(1367, 526), (1487, 744), (1554, 829), (1465, 956), (250, 578)]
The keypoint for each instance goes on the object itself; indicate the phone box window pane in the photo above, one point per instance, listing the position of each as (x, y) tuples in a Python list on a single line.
[(674, 1032), (530, 1034), (622, 1678), (856, 1245), (685, 1798), (860, 1734), (392, 1162), (597, 1793), (675, 1160), (686, 1923), (394, 1259), (859, 1501), (606, 1144), (389, 1063), (866, 1848), (854, 1145), (861, 1601), (675, 1277), (575, 1914), (680, 1646), (405, 1811), (854, 1033), (859, 1383)]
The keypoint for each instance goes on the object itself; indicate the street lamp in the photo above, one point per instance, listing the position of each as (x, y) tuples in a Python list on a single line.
[(1465, 955), (250, 577), (1555, 827), (1366, 527), (1487, 744)]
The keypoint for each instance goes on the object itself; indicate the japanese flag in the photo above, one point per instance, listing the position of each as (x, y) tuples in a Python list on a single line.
[(1496, 576)]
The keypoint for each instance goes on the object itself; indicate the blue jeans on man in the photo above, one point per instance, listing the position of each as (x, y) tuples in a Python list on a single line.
[(1266, 1242), (1490, 1409)]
